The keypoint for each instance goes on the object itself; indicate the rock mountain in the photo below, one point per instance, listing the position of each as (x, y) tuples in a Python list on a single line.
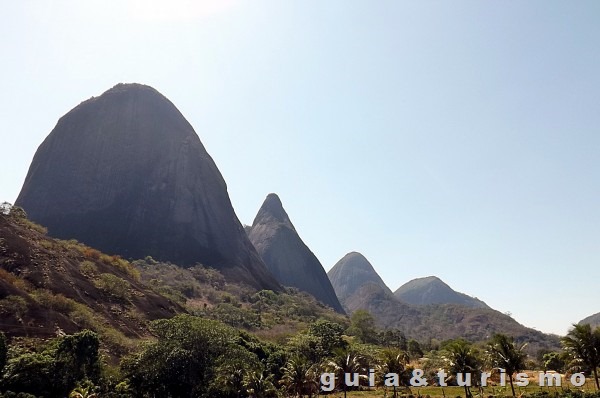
[(285, 254), (126, 173), (360, 288), (351, 273), (593, 320), (432, 290)]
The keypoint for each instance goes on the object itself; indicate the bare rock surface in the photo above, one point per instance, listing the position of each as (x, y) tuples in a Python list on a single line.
[(285, 254), (350, 273), (432, 290), (126, 173)]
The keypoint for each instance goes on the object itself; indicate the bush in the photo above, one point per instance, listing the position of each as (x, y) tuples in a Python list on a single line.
[(16, 305), (56, 302), (88, 268), (113, 285)]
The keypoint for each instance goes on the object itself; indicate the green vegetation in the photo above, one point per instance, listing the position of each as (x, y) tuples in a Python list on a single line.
[(145, 328), (583, 344), (507, 355)]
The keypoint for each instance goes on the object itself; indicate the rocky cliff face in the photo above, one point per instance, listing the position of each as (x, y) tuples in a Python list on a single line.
[(352, 272), (126, 173), (432, 290), (285, 254)]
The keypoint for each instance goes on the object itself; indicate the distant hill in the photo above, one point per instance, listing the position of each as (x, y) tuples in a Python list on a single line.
[(366, 291), (351, 272), (593, 320), (127, 174), (285, 254), (432, 290)]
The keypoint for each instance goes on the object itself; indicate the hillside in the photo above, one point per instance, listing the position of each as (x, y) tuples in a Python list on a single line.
[(423, 322), (432, 290), (593, 320), (49, 286)]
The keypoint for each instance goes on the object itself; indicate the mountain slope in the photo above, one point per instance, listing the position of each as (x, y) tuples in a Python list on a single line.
[(126, 173), (360, 287), (48, 286), (593, 320), (351, 272), (432, 290), (285, 254)]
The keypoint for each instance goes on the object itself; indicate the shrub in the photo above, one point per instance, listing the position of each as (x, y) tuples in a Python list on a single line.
[(16, 305), (90, 253), (113, 285), (88, 268), (56, 302)]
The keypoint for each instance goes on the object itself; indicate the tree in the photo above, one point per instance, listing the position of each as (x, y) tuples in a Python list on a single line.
[(414, 349), (344, 362), (3, 351), (329, 335), (76, 359), (461, 357), (299, 377), (393, 338), (505, 354), (362, 325), (182, 362), (232, 371), (583, 345), (57, 368), (554, 361), (85, 390), (260, 386), (394, 361)]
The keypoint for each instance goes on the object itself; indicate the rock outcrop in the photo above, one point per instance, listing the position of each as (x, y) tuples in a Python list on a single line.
[(352, 272), (432, 290), (126, 173), (285, 254)]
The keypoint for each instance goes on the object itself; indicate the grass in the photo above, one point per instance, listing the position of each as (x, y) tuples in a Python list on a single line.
[(455, 392)]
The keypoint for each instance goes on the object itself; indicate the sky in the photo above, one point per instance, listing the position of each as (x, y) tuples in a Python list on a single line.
[(457, 139)]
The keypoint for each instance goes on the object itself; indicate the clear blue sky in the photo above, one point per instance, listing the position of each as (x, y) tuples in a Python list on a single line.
[(459, 139)]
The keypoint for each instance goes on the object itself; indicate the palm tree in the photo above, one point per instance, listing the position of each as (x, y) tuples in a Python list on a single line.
[(583, 345), (461, 357), (299, 377), (259, 386), (505, 354), (342, 363), (393, 361), (232, 380), (83, 392)]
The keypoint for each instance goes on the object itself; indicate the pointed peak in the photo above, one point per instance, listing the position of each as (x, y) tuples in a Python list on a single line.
[(272, 211)]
